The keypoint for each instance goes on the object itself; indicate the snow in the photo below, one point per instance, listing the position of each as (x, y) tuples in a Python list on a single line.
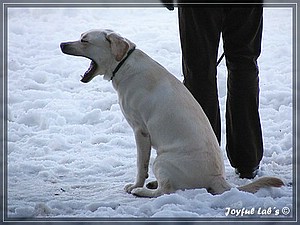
[(70, 150)]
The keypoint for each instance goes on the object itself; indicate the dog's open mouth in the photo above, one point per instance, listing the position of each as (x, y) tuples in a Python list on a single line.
[(90, 73)]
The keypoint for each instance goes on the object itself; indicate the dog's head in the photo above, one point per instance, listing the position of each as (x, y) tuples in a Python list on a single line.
[(104, 48)]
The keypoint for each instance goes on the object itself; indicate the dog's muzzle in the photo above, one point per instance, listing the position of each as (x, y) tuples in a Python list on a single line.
[(66, 47)]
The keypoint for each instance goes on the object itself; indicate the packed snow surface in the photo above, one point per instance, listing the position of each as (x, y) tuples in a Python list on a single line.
[(70, 150)]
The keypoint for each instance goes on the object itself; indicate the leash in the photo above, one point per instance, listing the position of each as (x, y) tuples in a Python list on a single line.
[(121, 63), (220, 59)]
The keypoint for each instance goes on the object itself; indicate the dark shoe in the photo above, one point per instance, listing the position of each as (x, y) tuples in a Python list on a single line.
[(247, 173)]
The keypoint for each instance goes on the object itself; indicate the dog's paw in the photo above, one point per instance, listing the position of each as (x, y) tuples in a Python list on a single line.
[(129, 187), (145, 192), (138, 192)]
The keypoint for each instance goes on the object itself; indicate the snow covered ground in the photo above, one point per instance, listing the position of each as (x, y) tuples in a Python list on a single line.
[(70, 150)]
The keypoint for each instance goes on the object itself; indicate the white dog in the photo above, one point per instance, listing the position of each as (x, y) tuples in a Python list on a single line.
[(163, 114)]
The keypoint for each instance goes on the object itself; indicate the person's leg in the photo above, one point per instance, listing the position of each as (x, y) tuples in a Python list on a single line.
[(200, 29), (242, 45)]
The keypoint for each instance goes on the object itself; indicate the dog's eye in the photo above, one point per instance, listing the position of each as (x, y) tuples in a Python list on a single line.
[(82, 40)]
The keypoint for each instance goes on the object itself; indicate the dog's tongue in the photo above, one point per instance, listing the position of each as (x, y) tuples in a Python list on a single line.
[(89, 74)]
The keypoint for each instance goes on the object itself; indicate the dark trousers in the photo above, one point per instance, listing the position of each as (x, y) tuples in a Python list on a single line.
[(241, 29)]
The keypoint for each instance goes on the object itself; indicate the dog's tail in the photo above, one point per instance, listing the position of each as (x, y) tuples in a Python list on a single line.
[(263, 182)]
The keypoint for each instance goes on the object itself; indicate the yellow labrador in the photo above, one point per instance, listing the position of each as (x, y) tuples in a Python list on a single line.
[(163, 115)]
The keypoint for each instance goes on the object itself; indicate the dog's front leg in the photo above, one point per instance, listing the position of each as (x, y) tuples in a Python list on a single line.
[(143, 155)]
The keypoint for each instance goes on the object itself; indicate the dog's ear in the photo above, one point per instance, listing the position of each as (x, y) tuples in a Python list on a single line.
[(119, 45)]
